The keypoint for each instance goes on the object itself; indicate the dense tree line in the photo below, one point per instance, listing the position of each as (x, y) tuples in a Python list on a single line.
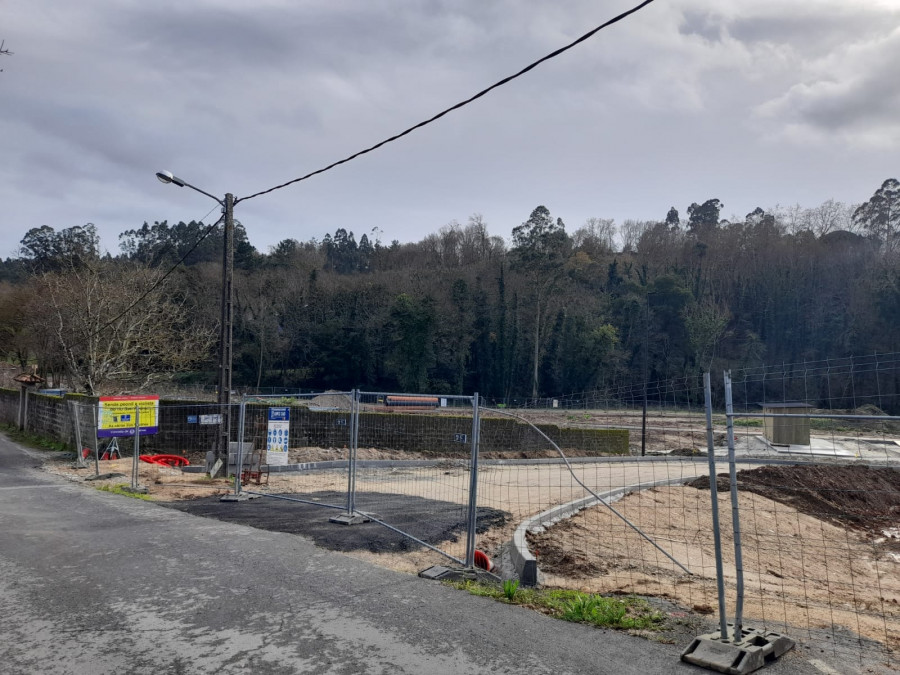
[(552, 312)]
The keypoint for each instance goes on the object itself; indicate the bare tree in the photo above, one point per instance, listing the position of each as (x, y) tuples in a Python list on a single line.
[(596, 235), (101, 341), (631, 233), (829, 216)]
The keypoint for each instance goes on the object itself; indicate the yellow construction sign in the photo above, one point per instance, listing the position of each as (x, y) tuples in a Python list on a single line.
[(117, 415)]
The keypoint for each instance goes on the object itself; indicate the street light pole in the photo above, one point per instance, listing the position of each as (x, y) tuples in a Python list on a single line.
[(227, 318), (225, 334)]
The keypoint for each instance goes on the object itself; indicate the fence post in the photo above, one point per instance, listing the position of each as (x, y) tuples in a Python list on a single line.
[(96, 409), (714, 497), (352, 517), (239, 455), (135, 465), (354, 446), (473, 484), (351, 457), (735, 513)]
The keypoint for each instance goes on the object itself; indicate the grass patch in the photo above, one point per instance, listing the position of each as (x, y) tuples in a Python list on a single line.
[(123, 490), (33, 440), (748, 423), (510, 586), (627, 612), (820, 424)]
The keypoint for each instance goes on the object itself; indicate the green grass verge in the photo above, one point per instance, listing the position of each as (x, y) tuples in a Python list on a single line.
[(123, 490), (748, 423), (33, 440), (627, 612)]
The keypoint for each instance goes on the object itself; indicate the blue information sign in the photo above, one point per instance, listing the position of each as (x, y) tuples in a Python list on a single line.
[(279, 414)]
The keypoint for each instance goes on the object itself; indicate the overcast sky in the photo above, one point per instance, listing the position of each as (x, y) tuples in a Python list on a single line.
[(754, 102)]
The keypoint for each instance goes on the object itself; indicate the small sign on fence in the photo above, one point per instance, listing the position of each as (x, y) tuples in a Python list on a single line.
[(279, 430), (116, 415), (460, 438), (211, 419)]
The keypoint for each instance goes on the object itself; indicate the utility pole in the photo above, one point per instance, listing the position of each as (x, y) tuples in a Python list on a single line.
[(225, 334), (225, 329)]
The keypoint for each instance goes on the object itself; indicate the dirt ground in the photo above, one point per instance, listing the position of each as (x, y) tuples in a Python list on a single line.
[(801, 572), (859, 497)]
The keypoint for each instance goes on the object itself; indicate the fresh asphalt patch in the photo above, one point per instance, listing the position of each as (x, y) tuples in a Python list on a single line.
[(429, 520)]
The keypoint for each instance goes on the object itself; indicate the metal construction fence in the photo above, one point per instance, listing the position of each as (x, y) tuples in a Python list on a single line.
[(796, 536), (815, 535), (401, 461)]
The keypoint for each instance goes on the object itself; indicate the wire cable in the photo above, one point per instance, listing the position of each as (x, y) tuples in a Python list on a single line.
[(459, 105)]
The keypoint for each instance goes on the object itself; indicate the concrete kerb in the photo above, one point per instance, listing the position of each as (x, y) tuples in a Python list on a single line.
[(524, 561)]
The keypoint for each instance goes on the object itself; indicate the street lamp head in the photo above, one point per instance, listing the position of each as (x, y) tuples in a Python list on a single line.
[(167, 177)]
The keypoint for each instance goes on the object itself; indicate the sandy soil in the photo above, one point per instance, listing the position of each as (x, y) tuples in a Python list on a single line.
[(799, 571)]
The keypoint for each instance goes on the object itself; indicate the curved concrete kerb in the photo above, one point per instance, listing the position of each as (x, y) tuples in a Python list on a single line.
[(522, 558)]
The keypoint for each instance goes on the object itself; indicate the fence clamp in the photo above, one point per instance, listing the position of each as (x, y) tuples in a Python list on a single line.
[(753, 651)]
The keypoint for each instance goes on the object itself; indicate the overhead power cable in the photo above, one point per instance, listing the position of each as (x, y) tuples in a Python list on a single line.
[(459, 105)]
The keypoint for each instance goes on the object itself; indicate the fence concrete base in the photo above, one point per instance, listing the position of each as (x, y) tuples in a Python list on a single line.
[(441, 573), (350, 519), (752, 652), (235, 498)]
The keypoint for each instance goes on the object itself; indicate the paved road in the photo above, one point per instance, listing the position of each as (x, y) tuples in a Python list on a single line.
[(92, 582)]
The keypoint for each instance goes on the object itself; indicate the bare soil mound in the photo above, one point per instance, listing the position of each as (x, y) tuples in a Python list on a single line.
[(864, 498), (330, 400)]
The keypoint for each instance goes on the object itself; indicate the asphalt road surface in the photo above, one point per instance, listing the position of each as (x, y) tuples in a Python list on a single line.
[(93, 582)]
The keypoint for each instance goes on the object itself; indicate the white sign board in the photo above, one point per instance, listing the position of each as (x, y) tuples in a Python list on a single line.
[(277, 438)]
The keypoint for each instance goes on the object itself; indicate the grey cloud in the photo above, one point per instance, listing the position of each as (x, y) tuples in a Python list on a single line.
[(854, 91), (703, 24), (811, 30), (833, 107)]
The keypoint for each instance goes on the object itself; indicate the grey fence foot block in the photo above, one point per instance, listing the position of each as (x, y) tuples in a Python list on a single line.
[(350, 519), (736, 658), (235, 498), (441, 573)]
